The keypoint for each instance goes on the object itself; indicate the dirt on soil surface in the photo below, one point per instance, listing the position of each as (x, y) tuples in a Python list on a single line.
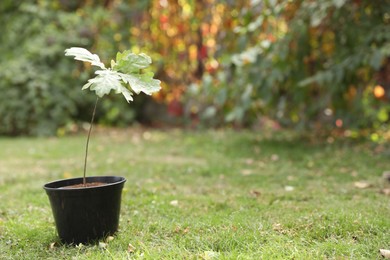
[(81, 185)]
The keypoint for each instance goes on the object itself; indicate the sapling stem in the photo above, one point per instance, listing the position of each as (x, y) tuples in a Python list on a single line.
[(86, 147)]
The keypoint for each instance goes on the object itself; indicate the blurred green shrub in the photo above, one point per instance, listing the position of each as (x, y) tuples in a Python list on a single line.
[(38, 93), (41, 89)]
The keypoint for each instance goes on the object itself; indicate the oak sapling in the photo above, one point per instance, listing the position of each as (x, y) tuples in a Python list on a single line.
[(126, 75)]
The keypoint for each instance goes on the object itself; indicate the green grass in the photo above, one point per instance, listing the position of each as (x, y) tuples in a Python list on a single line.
[(203, 195)]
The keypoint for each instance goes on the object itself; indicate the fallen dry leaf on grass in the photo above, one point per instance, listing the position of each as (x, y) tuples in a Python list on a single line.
[(362, 185), (246, 172), (290, 178), (289, 188), (385, 253), (255, 193), (279, 228), (80, 245), (52, 245), (179, 230), (208, 255), (102, 245), (386, 176), (174, 203), (386, 191), (109, 239), (131, 248)]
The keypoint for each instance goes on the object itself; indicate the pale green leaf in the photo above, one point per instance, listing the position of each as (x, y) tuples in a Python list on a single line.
[(84, 55), (141, 82), (126, 70), (105, 81), (126, 93), (128, 62)]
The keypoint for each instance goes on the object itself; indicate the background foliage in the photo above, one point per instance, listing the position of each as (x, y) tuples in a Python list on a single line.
[(310, 64), (318, 65)]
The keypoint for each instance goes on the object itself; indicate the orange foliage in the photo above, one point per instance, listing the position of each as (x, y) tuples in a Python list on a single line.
[(379, 91)]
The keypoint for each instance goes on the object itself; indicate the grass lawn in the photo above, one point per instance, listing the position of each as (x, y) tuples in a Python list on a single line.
[(203, 195)]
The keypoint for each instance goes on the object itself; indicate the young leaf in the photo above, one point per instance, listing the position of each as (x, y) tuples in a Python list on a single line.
[(105, 81), (128, 62), (141, 82), (126, 93), (125, 70), (84, 55)]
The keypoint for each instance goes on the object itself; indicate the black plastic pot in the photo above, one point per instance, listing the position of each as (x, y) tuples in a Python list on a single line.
[(84, 215)]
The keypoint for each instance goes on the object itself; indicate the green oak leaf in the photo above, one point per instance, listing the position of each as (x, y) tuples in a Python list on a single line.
[(142, 82), (105, 81), (128, 62), (84, 55), (126, 74)]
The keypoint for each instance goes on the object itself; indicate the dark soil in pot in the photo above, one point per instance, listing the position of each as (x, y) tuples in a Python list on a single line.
[(85, 214), (82, 185)]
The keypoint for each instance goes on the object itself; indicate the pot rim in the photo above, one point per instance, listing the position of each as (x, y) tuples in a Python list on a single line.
[(48, 188)]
